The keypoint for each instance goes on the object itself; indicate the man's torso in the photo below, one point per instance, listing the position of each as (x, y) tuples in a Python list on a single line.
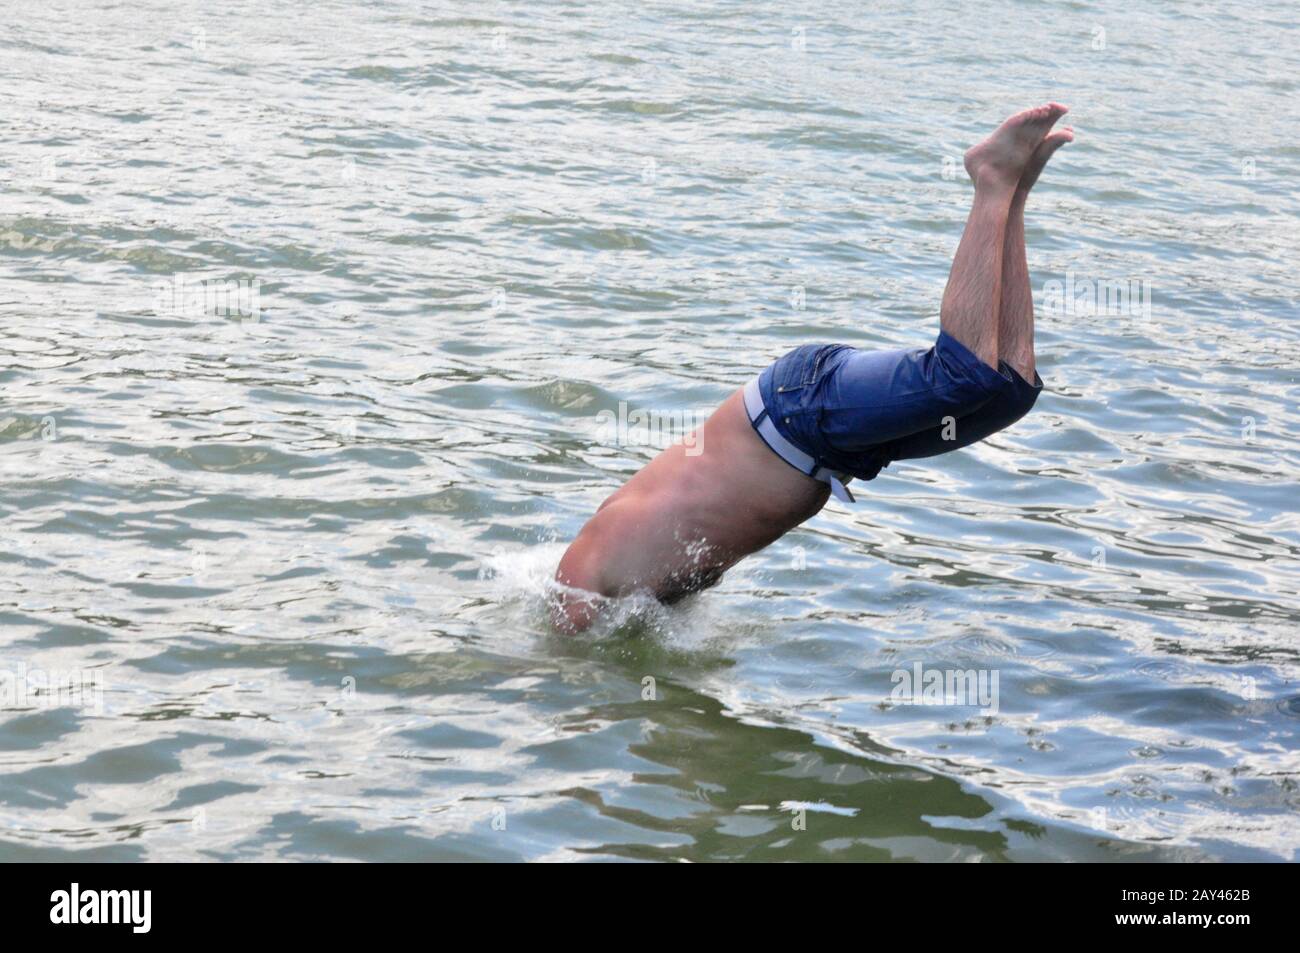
[(692, 512)]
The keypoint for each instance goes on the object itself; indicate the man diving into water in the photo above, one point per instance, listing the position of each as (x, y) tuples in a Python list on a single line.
[(774, 452)]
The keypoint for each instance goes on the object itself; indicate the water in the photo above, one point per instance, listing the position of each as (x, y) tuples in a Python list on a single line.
[(297, 537)]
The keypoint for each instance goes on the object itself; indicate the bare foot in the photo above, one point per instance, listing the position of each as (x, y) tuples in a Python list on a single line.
[(1050, 143), (999, 160)]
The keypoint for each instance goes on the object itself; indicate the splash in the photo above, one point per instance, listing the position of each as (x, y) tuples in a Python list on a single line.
[(523, 582)]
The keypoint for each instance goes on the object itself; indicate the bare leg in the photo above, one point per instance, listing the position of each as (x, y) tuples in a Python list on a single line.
[(973, 297), (1016, 316)]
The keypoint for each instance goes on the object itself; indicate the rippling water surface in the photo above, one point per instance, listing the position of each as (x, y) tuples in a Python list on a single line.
[(301, 537)]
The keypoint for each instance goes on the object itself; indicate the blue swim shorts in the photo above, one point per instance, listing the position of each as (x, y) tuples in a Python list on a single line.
[(836, 412)]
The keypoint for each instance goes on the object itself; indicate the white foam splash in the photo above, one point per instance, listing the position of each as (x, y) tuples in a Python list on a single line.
[(524, 580)]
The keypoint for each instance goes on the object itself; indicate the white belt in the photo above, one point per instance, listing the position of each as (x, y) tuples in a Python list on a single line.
[(803, 462)]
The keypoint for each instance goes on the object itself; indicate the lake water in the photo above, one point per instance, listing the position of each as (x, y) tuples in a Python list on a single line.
[(316, 320)]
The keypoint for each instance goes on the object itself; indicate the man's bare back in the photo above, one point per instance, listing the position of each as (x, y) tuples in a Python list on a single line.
[(691, 514), (686, 518)]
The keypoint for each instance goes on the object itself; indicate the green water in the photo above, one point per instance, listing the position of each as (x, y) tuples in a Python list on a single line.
[(296, 541)]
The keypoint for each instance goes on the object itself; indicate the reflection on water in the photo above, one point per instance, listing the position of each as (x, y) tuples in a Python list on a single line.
[(314, 330)]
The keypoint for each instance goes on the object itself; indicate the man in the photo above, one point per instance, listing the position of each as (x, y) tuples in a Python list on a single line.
[(775, 451)]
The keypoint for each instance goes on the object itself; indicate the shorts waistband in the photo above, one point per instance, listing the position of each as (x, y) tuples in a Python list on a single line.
[(804, 462)]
